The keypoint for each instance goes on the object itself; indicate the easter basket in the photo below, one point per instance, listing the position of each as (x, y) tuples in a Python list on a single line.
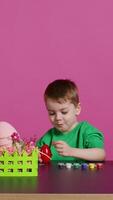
[(19, 163)]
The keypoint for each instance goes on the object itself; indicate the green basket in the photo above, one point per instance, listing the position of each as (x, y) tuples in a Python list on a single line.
[(19, 165)]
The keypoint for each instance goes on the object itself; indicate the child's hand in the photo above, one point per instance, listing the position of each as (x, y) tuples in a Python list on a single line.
[(62, 147), (39, 156)]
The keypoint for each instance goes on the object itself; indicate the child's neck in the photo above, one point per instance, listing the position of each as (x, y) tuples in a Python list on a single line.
[(74, 125)]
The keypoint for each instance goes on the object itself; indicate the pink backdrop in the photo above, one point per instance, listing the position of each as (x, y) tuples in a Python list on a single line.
[(44, 40)]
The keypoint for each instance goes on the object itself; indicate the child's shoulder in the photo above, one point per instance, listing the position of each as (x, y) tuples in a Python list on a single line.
[(85, 125), (49, 132), (88, 129)]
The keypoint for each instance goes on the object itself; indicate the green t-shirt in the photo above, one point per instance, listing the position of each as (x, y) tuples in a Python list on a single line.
[(84, 135)]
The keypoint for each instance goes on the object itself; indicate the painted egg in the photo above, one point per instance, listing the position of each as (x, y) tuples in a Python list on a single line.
[(45, 154)]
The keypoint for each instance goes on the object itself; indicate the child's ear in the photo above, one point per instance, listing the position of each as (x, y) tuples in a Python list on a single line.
[(78, 109)]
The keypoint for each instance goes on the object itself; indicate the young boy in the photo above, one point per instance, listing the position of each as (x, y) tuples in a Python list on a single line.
[(69, 140)]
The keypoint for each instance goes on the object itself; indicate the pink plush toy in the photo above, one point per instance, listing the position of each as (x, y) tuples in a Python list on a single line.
[(6, 130)]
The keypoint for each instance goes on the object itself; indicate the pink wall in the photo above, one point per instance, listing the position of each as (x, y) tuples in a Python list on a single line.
[(44, 40)]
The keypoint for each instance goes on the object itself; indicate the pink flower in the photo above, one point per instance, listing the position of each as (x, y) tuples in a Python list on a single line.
[(15, 137), (29, 149), (31, 143), (20, 145), (10, 150)]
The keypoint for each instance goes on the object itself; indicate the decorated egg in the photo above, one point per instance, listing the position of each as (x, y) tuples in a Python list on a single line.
[(6, 131), (45, 154)]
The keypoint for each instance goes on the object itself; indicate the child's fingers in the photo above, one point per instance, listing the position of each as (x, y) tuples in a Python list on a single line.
[(57, 142), (58, 146), (39, 155), (40, 160)]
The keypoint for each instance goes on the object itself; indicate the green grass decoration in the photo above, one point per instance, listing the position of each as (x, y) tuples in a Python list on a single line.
[(19, 165)]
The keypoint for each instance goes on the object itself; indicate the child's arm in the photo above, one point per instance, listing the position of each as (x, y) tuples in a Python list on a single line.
[(94, 154)]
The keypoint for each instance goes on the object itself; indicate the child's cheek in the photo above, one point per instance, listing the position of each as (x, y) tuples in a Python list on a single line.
[(52, 119)]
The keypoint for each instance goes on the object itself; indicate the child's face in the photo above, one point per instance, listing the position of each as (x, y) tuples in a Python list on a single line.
[(63, 115)]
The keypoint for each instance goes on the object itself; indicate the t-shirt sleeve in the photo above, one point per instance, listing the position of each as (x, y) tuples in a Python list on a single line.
[(93, 138), (40, 142)]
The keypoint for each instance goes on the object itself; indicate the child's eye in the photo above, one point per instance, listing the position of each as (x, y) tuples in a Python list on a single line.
[(51, 113), (64, 113)]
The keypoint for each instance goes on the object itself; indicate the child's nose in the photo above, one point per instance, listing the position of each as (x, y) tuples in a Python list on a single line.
[(58, 116)]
